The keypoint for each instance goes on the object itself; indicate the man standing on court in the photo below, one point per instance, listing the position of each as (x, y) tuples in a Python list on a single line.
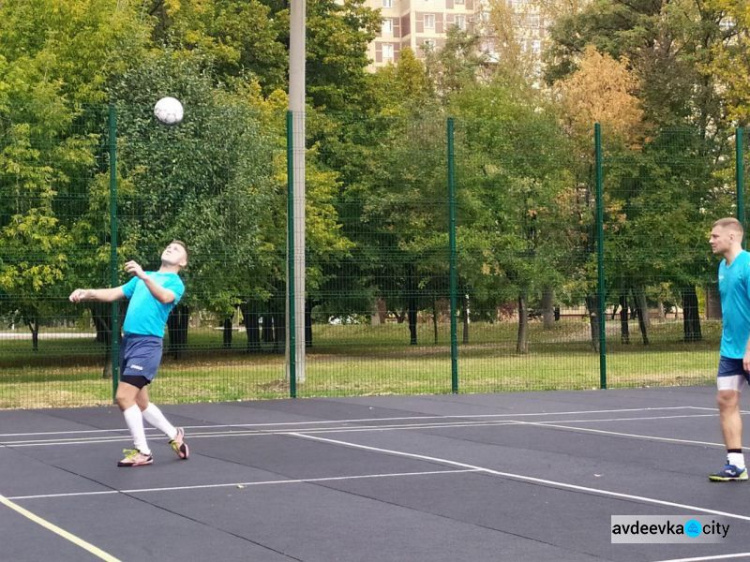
[(152, 295), (734, 363)]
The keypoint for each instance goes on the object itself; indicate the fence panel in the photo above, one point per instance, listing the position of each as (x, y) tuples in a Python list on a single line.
[(379, 251)]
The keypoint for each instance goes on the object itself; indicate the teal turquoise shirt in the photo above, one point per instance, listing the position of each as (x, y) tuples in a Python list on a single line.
[(734, 287), (147, 316)]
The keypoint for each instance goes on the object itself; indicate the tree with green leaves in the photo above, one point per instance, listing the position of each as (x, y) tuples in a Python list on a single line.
[(207, 181), (730, 63), (243, 38), (517, 169), (56, 57), (670, 48)]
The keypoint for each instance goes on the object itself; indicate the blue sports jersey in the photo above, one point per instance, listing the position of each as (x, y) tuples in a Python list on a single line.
[(147, 316), (734, 287)]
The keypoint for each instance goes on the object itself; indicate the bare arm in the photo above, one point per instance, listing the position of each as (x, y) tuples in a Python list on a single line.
[(164, 296), (99, 295)]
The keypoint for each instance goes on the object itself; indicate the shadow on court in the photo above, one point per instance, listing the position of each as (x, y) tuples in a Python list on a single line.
[(532, 476)]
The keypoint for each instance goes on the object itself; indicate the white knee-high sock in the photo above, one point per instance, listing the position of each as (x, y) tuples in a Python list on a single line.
[(152, 414), (134, 421)]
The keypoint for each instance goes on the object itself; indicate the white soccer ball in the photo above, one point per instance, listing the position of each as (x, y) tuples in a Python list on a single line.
[(168, 110)]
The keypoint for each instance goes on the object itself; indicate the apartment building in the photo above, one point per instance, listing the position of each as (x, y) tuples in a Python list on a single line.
[(421, 24)]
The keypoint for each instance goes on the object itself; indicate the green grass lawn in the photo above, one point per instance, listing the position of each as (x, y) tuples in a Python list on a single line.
[(363, 360)]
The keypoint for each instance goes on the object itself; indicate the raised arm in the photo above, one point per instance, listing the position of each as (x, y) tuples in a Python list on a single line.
[(164, 296), (100, 295)]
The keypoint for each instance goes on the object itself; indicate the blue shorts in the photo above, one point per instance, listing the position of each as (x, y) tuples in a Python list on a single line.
[(729, 367), (140, 357)]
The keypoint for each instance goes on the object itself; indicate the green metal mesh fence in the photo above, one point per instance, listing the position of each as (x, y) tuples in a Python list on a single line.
[(379, 254), (526, 240), (663, 324)]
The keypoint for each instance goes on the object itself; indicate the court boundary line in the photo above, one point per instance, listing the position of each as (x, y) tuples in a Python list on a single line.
[(241, 484), (67, 535), (523, 478), (367, 428), (360, 420), (622, 434)]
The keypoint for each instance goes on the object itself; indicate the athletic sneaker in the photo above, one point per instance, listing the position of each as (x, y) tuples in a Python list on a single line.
[(729, 473), (133, 457), (178, 444)]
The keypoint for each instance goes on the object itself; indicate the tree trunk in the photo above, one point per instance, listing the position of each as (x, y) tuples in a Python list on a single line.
[(641, 312), (268, 330), (177, 328), (251, 313), (713, 302), (466, 320), (102, 317), (435, 318), (691, 315), (380, 312), (592, 303), (227, 326), (33, 324), (548, 308), (308, 324), (624, 326), (279, 329), (522, 341), (412, 315)]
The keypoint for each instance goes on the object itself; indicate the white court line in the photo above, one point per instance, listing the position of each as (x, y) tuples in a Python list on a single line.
[(96, 551), (361, 420), (361, 429), (344, 429), (214, 434), (243, 484), (707, 558), (521, 477), (622, 434)]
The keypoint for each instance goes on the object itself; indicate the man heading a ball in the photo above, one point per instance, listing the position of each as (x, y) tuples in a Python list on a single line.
[(152, 295)]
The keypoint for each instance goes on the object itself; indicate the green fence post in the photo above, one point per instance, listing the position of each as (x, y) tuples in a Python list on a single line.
[(113, 269), (601, 292), (452, 242), (740, 175), (290, 254)]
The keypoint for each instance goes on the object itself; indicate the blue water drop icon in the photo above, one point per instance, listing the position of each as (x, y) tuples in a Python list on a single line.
[(693, 528)]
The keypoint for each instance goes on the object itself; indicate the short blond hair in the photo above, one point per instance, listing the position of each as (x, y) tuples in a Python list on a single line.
[(731, 223)]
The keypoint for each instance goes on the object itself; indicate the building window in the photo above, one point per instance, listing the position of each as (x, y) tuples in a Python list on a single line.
[(429, 21), (387, 52), (387, 3), (459, 2), (387, 26), (536, 47), (428, 45), (726, 24), (461, 22)]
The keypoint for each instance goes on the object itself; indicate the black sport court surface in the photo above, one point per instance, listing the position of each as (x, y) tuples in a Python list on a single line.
[(532, 476)]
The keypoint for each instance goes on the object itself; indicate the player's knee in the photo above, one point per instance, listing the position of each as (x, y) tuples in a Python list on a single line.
[(124, 402), (124, 399), (727, 399)]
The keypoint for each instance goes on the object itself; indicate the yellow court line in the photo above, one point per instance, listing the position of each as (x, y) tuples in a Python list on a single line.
[(99, 553)]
